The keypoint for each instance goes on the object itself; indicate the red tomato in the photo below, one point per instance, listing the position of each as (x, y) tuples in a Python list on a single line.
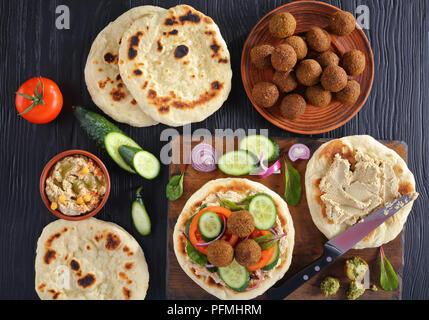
[(39, 100)]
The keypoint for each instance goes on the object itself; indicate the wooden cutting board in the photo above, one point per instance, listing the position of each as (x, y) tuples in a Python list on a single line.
[(308, 239)]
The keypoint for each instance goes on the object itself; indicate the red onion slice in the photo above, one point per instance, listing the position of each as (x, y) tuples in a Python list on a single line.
[(273, 169), (209, 266), (258, 283), (299, 151), (218, 237), (273, 231), (204, 157)]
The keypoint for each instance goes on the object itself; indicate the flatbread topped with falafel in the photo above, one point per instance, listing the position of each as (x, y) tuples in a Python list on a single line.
[(347, 179), (234, 238)]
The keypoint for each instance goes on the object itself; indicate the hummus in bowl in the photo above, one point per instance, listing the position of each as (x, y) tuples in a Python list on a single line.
[(75, 185)]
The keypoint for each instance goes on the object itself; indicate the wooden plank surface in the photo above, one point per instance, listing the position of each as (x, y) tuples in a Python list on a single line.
[(31, 45), (308, 239)]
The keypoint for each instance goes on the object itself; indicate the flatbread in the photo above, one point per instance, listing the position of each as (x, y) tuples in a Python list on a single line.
[(102, 75), (318, 166), (176, 65), (244, 187), (89, 260)]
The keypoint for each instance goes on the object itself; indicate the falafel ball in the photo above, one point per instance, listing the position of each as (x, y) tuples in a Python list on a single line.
[(326, 58), (283, 57), (265, 94), (334, 78), (308, 72), (220, 253), (241, 223), (318, 39), (292, 106), (299, 45), (282, 25), (317, 96), (261, 56), (285, 80), (342, 23), (353, 62), (350, 93), (247, 252)]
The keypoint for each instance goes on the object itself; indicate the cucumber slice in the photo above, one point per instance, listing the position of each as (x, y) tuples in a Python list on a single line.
[(141, 161), (210, 225), (237, 163), (235, 276), (274, 259), (112, 141), (264, 211), (139, 215), (259, 143)]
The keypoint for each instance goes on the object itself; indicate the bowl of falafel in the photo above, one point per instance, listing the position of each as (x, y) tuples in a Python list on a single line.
[(307, 67)]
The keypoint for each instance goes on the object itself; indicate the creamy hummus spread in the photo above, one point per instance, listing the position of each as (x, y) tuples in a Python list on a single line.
[(75, 185), (235, 197), (350, 195)]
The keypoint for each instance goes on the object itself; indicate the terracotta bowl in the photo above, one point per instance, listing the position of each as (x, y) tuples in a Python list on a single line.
[(47, 170), (315, 120)]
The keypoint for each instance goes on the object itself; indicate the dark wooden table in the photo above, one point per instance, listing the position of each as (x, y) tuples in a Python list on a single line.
[(31, 45)]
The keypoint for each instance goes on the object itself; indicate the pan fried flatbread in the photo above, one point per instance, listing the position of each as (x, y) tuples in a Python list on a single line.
[(176, 65), (89, 259), (102, 76), (346, 179), (233, 189)]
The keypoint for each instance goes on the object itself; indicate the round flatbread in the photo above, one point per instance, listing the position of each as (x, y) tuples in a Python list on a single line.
[(176, 65), (346, 179), (233, 189), (89, 259), (102, 76)]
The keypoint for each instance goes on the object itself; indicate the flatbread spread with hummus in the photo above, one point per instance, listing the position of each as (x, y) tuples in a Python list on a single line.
[(242, 262), (89, 260), (347, 179)]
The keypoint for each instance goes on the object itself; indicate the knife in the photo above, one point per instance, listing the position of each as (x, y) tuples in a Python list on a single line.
[(337, 246)]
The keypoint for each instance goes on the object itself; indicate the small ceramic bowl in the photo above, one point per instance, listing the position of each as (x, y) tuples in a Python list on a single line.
[(46, 171)]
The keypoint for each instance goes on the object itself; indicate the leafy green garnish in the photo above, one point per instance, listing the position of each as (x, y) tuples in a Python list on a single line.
[(231, 205), (293, 189), (174, 188), (264, 241), (388, 278), (246, 200), (195, 255)]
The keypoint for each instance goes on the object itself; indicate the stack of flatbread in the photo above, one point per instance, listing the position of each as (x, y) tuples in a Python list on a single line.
[(154, 65)]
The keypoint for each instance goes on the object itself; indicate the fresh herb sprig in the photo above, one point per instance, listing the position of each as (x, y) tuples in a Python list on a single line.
[(293, 188), (388, 278), (174, 189)]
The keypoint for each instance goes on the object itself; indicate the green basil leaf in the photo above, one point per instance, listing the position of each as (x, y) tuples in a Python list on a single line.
[(293, 188), (195, 255), (188, 225), (264, 242), (388, 278), (174, 188)]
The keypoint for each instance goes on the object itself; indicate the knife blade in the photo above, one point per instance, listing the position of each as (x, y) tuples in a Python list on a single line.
[(337, 246)]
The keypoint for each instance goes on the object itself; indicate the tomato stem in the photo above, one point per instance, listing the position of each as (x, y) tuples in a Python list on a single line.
[(37, 98)]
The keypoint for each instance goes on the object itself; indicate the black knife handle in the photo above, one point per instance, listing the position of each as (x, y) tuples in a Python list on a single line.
[(330, 254)]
